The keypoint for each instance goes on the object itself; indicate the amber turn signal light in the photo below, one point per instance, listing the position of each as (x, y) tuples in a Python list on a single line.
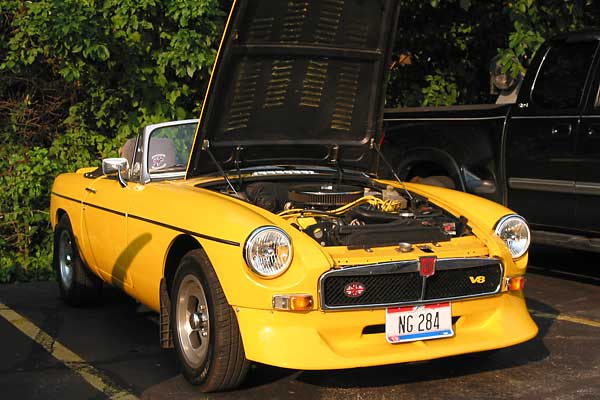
[(293, 302), (515, 283)]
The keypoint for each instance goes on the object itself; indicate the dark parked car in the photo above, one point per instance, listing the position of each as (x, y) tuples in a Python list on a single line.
[(539, 156)]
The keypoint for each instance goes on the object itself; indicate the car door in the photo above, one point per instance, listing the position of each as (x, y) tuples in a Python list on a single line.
[(161, 159), (105, 226), (588, 165), (104, 219), (542, 136)]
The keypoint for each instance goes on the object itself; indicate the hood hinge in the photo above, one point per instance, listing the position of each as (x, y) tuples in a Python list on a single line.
[(336, 154)]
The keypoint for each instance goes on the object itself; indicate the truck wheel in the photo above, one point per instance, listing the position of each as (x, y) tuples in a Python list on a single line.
[(76, 283), (207, 337), (439, 180)]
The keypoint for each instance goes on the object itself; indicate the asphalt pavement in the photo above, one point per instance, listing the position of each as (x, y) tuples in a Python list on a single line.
[(51, 351)]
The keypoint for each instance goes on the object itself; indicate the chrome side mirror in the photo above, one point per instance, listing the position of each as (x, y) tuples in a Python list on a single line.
[(499, 80), (112, 165)]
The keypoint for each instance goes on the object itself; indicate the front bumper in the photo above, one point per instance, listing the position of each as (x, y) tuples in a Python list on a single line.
[(319, 340)]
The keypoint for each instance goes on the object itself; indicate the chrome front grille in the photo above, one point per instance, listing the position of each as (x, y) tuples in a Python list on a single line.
[(399, 283)]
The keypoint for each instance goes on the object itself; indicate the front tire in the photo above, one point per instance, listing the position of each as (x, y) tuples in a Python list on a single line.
[(76, 283), (207, 337)]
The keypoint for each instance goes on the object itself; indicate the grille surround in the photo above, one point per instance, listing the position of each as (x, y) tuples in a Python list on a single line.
[(446, 269), (324, 195)]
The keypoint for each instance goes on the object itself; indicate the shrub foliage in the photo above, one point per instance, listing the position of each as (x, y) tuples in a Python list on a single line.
[(77, 77)]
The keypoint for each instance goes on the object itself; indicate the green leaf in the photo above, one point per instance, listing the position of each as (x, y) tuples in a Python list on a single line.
[(190, 69), (465, 4)]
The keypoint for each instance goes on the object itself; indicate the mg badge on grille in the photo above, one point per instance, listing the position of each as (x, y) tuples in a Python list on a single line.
[(427, 266), (354, 289)]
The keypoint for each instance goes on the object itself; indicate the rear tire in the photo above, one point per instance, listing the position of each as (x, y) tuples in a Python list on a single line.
[(439, 180), (206, 334), (76, 283)]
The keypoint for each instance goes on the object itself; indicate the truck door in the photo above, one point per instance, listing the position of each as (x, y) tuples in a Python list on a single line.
[(541, 142), (588, 166)]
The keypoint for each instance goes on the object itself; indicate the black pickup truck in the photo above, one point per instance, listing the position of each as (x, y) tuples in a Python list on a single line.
[(539, 156)]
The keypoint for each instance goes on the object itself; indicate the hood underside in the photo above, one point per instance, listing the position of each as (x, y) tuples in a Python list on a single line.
[(297, 81)]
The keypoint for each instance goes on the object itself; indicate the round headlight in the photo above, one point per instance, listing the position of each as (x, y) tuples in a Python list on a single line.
[(268, 251), (513, 230)]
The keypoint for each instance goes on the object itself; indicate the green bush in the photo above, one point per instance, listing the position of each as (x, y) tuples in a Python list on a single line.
[(78, 77), (444, 47)]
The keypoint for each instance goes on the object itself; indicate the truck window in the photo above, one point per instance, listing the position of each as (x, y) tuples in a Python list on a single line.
[(561, 79)]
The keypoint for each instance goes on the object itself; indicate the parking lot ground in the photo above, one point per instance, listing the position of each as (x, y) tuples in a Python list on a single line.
[(51, 351)]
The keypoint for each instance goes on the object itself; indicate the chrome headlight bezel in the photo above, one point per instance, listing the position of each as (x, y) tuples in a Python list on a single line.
[(507, 223), (254, 241)]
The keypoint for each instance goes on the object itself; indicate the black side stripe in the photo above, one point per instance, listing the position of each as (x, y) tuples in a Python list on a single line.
[(66, 198), (174, 228), (108, 210)]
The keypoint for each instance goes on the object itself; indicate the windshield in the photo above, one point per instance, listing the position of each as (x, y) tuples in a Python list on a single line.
[(169, 148)]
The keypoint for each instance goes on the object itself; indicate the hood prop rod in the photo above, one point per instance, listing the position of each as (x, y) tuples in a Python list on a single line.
[(238, 151), (375, 146), (206, 147), (335, 161)]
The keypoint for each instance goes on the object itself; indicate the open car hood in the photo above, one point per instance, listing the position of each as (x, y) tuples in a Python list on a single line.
[(296, 82)]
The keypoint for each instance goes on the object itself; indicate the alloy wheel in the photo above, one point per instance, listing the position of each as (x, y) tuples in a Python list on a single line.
[(193, 321)]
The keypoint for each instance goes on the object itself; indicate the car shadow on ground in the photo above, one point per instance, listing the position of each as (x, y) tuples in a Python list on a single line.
[(135, 346), (263, 379), (441, 369), (450, 367)]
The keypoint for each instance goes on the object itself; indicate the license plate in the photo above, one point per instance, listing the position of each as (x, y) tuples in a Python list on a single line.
[(407, 324)]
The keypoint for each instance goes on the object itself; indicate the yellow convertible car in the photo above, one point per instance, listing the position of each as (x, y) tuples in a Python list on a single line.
[(262, 231)]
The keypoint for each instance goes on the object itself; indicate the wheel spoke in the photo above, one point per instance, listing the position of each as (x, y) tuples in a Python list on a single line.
[(192, 304), (195, 339)]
